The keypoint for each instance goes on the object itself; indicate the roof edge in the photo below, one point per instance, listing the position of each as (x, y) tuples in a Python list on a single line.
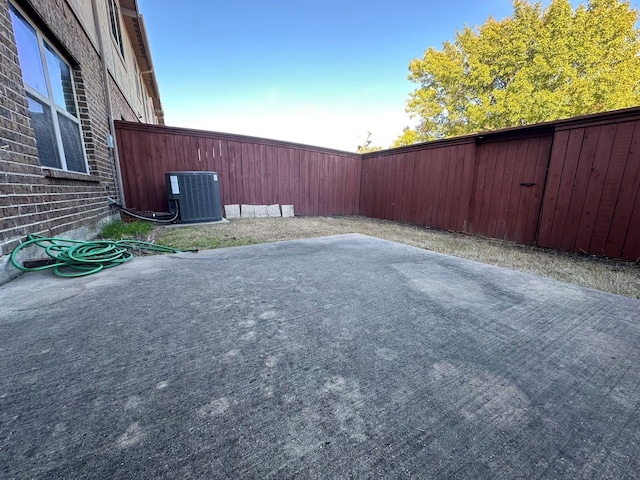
[(134, 22)]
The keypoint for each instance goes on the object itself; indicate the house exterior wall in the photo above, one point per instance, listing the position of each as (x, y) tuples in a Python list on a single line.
[(123, 70), (133, 99), (48, 201)]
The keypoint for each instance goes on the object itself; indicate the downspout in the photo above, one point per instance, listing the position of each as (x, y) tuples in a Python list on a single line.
[(107, 95)]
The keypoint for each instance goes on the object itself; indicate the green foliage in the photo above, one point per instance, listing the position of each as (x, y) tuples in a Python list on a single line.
[(534, 66), (369, 148), (408, 137), (120, 230)]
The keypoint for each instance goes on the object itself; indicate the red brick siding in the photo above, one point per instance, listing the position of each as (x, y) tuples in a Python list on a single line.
[(37, 200)]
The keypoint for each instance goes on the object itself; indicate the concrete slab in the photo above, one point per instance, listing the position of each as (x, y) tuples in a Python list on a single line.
[(248, 211), (232, 211), (287, 211), (274, 211), (261, 211), (336, 357)]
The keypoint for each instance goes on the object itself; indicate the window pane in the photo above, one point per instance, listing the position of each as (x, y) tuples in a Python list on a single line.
[(72, 144), (115, 24), (42, 123), (28, 53), (60, 78)]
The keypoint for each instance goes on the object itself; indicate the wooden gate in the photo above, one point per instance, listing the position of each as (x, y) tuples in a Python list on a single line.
[(508, 185)]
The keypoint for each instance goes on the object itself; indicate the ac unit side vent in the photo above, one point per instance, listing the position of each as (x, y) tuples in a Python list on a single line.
[(197, 195)]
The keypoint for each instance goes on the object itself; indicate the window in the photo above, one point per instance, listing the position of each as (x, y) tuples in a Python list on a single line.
[(137, 82), (50, 97), (114, 19)]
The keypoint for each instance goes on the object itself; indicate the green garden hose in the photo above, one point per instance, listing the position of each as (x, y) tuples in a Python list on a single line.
[(75, 258)]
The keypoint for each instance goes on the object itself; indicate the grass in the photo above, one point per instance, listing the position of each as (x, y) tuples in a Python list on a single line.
[(120, 230), (184, 238), (612, 276)]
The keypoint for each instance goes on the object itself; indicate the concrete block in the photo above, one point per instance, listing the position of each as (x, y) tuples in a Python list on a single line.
[(261, 211), (287, 211), (232, 211), (248, 211), (274, 210)]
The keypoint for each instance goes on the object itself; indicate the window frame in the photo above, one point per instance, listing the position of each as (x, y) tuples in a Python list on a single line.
[(51, 101), (114, 23)]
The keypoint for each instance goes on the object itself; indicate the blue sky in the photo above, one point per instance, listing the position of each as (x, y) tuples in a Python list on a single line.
[(321, 72)]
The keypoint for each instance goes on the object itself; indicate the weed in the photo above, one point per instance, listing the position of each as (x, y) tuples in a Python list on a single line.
[(197, 237), (120, 230)]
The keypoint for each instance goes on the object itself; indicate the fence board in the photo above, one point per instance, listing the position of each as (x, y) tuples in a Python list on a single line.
[(567, 177), (552, 187), (485, 184), (594, 189), (424, 189), (543, 153), (436, 186), (628, 196), (123, 137), (450, 165), (631, 250), (466, 157), (443, 157), (453, 187), (517, 194), (503, 221), (579, 191), (495, 193), (611, 187), (226, 173)]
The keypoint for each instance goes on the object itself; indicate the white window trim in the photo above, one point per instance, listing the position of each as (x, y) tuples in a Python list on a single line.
[(51, 103), (112, 5)]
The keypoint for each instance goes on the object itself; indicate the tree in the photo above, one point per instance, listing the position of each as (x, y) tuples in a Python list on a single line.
[(408, 137), (534, 66), (367, 147)]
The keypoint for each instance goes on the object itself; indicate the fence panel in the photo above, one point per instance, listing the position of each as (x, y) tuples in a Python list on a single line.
[(591, 198), (508, 184), (316, 181), (424, 186)]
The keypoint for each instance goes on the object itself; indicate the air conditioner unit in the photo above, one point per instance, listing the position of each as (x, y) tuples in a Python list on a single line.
[(196, 195)]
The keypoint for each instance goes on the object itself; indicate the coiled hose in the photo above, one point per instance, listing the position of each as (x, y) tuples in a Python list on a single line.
[(75, 258)]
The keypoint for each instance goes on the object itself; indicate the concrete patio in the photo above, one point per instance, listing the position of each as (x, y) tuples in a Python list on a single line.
[(337, 357)]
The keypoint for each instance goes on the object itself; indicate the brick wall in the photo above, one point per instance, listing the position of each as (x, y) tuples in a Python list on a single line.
[(40, 200), (119, 105)]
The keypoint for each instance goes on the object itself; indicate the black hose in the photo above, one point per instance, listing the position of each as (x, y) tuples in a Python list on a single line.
[(149, 219)]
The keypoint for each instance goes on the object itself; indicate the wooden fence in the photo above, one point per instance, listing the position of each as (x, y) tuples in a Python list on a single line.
[(592, 199), (256, 171), (572, 184), (490, 186)]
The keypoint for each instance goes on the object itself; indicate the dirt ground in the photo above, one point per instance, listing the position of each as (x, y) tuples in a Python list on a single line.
[(612, 276)]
